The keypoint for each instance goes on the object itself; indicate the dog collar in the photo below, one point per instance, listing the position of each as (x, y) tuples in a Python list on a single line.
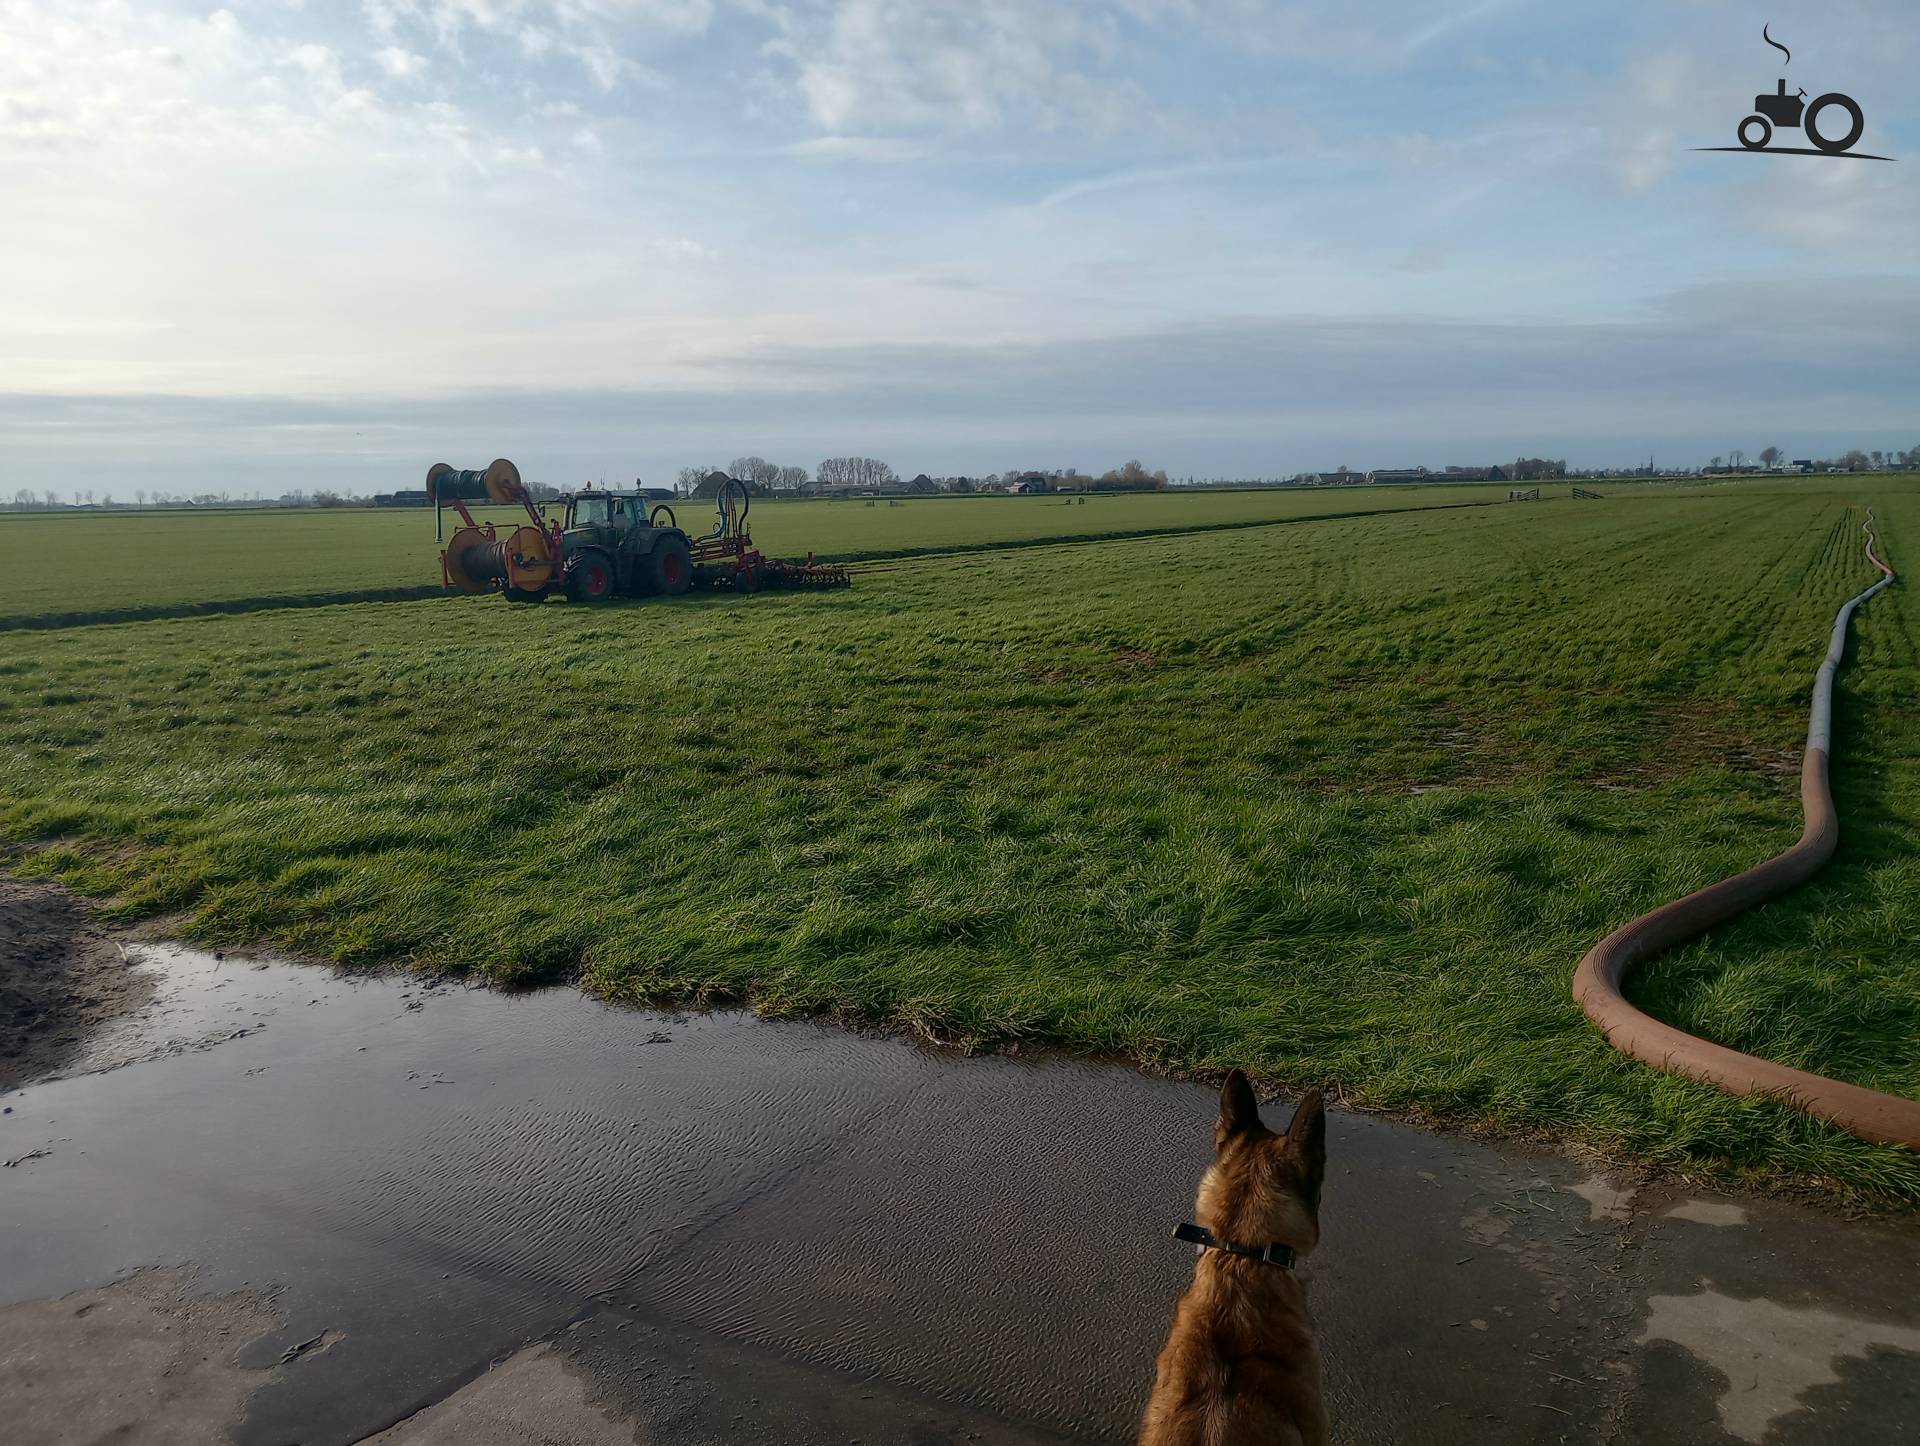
[(1273, 1254)]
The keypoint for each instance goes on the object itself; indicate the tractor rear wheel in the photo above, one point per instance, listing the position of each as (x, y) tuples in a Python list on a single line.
[(1834, 145), (590, 577), (670, 567)]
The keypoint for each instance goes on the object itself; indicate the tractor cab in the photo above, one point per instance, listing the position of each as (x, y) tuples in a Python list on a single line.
[(608, 513), (611, 544)]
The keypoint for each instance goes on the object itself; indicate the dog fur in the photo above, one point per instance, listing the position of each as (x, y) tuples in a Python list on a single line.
[(1241, 1365)]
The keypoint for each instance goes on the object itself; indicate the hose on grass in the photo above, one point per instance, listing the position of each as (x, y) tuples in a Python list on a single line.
[(1871, 1114)]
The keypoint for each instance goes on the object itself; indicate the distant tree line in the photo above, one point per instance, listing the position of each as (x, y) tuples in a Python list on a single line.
[(1854, 459), (1130, 476), (855, 472), (1535, 469), (765, 477), (29, 499)]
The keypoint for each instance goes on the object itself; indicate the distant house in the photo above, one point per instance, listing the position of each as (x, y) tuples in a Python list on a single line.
[(922, 483), (1033, 482), (1802, 464)]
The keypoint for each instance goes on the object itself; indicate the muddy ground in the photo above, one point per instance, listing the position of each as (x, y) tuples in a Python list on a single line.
[(145, 1359), (62, 976)]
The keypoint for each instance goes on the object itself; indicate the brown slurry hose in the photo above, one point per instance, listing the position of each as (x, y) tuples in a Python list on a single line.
[(1871, 1114)]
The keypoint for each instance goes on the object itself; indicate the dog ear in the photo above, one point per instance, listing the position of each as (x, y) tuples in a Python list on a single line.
[(1307, 1139), (1239, 1110)]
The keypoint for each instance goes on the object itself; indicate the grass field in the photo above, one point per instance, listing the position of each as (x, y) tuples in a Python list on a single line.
[(1342, 801), (152, 563)]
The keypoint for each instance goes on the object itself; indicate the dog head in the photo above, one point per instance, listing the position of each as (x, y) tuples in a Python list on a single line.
[(1264, 1187)]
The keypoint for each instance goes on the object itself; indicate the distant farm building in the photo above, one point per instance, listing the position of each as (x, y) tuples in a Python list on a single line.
[(1476, 474), (1031, 482), (1398, 474), (408, 497)]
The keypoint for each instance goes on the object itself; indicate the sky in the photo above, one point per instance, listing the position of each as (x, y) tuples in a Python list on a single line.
[(287, 244)]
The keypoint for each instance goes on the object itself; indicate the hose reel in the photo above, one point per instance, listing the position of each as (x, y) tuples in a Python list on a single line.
[(477, 557)]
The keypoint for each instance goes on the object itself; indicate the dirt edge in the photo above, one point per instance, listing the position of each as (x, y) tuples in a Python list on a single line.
[(62, 978)]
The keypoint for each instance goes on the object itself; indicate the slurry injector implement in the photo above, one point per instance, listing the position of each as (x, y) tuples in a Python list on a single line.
[(607, 543)]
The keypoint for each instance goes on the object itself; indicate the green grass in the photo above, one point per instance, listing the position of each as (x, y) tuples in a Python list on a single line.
[(94, 565), (1341, 802)]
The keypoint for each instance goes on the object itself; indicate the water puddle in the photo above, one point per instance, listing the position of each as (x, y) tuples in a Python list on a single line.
[(437, 1170)]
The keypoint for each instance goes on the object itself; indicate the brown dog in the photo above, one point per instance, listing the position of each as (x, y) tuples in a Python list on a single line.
[(1240, 1364)]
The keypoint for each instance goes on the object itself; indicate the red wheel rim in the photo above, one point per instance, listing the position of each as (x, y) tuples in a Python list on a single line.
[(596, 578), (672, 569)]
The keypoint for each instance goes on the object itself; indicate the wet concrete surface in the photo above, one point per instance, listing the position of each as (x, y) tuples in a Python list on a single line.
[(715, 1228)]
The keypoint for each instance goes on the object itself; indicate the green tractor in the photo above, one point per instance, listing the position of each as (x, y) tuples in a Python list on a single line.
[(607, 545), (610, 543)]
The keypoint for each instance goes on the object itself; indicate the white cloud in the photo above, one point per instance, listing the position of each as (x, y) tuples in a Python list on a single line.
[(398, 63), (385, 16), (204, 204), (605, 65), (1445, 25), (1860, 209), (884, 149), (318, 63), (962, 65), (1143, 177)]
